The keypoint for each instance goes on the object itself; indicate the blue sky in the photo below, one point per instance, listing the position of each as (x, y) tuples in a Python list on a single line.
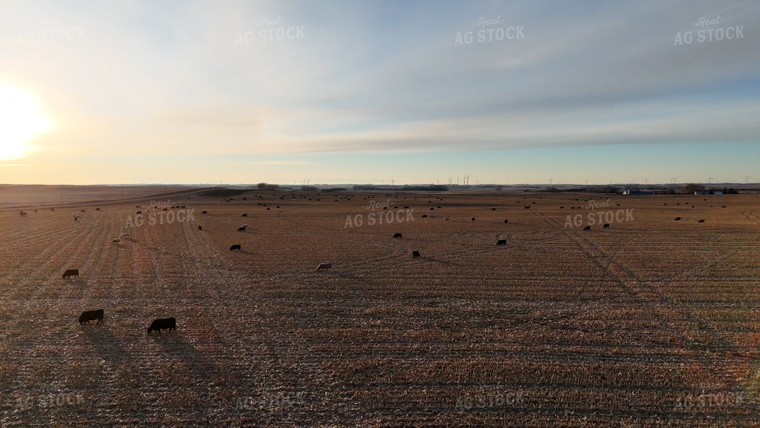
[(369, 91)]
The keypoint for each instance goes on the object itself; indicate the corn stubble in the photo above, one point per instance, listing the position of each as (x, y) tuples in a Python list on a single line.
[(558, 327)]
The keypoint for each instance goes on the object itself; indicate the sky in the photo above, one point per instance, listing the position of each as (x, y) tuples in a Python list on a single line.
[(366, 91)]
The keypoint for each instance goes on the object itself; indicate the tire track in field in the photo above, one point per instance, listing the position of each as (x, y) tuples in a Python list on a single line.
[(665, 305), (54, 251), (48, 239), (94, 254)]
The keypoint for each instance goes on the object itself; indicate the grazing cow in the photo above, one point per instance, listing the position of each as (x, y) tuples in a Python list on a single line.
[(163, 324), (561, 206), (204, 212), (493, 209), (587, 228), (473, 219), (724, 206), (71, 272), (139, 212), (88, 316), (415, 254), (235, 247), (397, 235), (501, 242), (424, 215), (244, 215), (324, 266), (606, 225), (200, 227), (678, 218), (242, 228), (97, 209), (701, 221), (527, 207)]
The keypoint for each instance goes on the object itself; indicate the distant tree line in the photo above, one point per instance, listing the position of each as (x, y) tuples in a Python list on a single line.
[(265, 186)]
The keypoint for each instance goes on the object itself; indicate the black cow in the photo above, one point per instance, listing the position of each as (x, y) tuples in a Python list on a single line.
[(527, 207), (139, 212), (200, 227), (242, 228), (506, 221), (415, 254), (71, 272), (244, 215), (235, 247), (678, 218), (204, 212), (424, 215), (586, 228), (88, 316), (606, 225), (701, 221), (163, 324), (397, 235), (501, 242), (473, 219), (493, 209)]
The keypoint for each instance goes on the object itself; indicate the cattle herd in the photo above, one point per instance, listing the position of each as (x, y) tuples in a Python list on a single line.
[(157, 325)]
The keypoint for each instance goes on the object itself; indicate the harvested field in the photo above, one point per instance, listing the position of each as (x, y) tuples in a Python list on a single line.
[(648, 322)]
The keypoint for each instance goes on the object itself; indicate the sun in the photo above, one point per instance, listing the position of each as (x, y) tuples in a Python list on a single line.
[(21, 120)]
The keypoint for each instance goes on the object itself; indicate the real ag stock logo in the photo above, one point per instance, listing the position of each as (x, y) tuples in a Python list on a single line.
[(709, 30), (270, 30), (50, 396), (600, 217), (50, 31), (385, 216), (153, 215), (490, 31)]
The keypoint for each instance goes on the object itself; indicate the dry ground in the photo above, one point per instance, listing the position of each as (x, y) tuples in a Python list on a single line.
[(652, 321)]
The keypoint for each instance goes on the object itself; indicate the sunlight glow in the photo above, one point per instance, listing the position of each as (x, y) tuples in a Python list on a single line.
[(21, 120)]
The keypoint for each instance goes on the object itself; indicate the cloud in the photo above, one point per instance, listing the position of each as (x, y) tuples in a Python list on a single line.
[(173, 78)]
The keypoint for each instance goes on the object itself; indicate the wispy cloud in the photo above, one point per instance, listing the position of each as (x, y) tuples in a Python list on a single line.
[(366, 77), (271, 163)]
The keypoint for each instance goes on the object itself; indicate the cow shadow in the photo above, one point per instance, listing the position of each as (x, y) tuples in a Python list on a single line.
[(202, 368), (107, 344)]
